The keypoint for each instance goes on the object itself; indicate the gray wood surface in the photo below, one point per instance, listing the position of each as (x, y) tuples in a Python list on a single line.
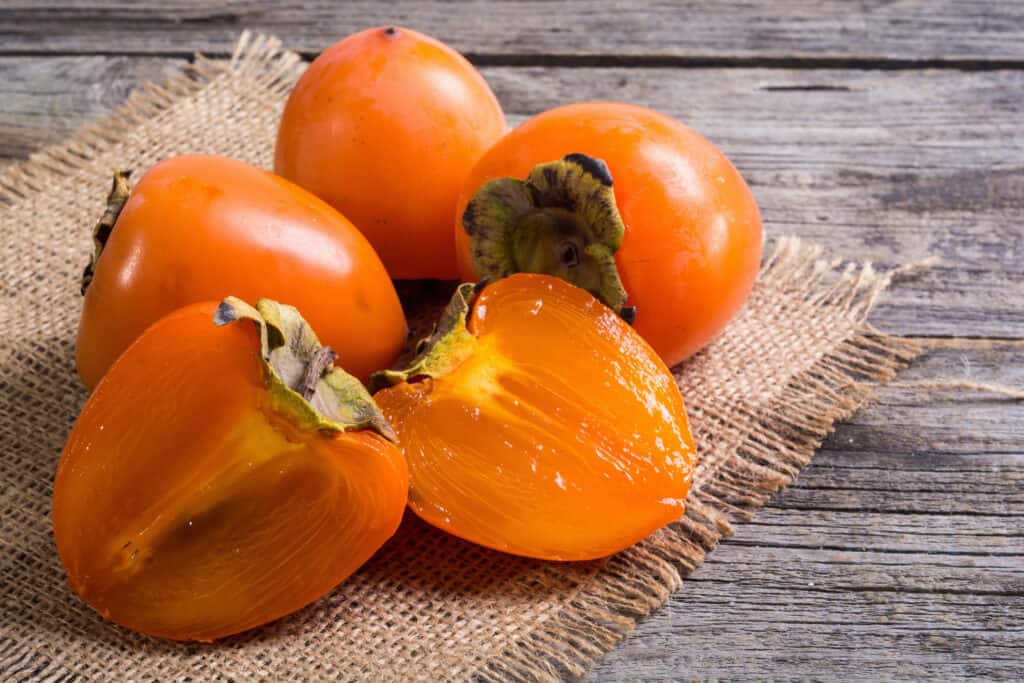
[(888, 165), (892, 131), (963, 31), (44, 100)]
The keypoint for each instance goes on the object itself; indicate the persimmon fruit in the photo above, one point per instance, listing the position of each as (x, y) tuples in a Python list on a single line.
[(385, 126), (223, 475), (200, 228), (537, 422), (625, 202)]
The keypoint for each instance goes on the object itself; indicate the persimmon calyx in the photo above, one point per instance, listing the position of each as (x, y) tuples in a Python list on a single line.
[(562, 221), (302, 381), (116, 199), (443, 350)]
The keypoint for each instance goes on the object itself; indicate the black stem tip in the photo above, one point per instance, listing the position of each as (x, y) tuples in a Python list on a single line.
[(628, 314), (391, 31), (592, 165)]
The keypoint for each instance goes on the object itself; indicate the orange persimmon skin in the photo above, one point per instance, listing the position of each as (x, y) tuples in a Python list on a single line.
[(562, 436), (199, 228), (693, 238), (184, 507), (384, 126)]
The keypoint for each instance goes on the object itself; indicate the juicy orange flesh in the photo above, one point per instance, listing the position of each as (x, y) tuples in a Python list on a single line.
[(563, 436), (185, 508)]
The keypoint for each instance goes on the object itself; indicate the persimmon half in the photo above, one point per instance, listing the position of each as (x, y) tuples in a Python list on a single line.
[(223, 475), (537, 422), (625, 202), (200, 228), (385, 126)]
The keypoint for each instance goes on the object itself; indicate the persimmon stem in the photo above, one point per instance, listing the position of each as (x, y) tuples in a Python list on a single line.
[(561, 220), (303, 383), (445, 349), (116, 200), (315, 370)]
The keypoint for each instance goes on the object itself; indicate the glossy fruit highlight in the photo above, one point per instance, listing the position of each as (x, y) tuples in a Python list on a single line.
[(199, 228), (223, 475), (535, 421)]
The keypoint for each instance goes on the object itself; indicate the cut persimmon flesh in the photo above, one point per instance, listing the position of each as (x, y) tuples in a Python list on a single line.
[(537, 422), (200, 494)]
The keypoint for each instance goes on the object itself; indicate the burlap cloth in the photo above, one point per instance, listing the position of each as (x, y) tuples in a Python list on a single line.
[(428, 606)]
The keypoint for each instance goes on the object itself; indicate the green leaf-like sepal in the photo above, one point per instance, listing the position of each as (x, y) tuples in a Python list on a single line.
[(302, 381), (116, 199), (562, 221), (443, 350)]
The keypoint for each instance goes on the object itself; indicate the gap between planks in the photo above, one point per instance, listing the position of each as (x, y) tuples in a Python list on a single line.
[(590, 61)]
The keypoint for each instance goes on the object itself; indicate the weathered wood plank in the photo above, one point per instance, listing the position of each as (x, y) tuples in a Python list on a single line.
[(860, 595), (996, 488), (863, 570), (732, 631), (781, 526), (909, 30), (892, 166), (969, 429), (907, 522), (895, 554), (785, 599), (44, 101), (933, 452)]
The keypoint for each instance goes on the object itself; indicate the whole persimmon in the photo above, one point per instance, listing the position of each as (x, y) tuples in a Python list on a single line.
[(199, 228), (537, 422), (223, 475), (385, 126), (625, 202)]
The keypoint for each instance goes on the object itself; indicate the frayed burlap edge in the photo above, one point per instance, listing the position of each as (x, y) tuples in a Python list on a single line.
[(779, 443), (259, 56), (773, 451)]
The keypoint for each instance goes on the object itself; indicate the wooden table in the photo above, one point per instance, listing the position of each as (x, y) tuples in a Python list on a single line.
[(887, 130)]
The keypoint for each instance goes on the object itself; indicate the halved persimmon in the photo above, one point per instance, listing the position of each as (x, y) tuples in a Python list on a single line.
[(537, 422), (222, 476)]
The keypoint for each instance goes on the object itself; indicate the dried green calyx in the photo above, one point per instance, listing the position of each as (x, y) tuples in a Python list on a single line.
[(443, 350), (302, 380), (119, 193), (562, 220)]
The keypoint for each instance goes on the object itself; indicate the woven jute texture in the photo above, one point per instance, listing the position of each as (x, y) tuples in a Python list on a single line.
[(430, 607)]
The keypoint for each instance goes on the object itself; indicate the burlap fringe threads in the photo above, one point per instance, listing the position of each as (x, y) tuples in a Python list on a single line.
[(259, 58), (775, 443)]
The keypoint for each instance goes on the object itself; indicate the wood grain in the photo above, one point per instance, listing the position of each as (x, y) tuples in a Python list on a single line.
[(43, 101), (892, 166), (807, 625), (893, 555), (973, 32), (898, 553)]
